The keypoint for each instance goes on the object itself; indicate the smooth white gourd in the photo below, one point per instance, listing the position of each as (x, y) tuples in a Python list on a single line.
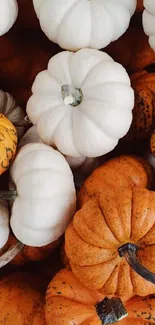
[(149, 21), (8, 15), (77, 24), (82, 104)]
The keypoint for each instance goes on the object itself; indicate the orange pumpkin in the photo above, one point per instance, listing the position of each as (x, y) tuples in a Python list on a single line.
[(143, 84), (119, 171), (132, 49), (25, 254), (69, 302), (152, 143), (8, 143), (111, 242), (21, 300)]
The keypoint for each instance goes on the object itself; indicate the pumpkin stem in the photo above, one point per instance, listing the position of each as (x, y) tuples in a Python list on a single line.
[(111, 310), (8, 195), (71, 95), (11, 253), (129, 251), (24, 122)]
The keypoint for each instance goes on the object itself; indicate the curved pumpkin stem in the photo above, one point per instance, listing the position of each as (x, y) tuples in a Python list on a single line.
[(24, 122), (8, 195), (11, 253), (111, 310), (129, 252)]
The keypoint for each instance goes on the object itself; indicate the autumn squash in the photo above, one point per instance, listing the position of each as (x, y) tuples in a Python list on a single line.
[(18, 254), (69, 302), (149, 21), (8, 143), (8, 15), (124, 170), (82, 24), (132, 49), (77, 103), (14, 113), (110, 242), (4, 223), (143, 83), (21, 300)]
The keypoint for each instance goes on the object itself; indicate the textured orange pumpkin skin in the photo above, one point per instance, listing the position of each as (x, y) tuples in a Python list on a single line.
[(29, 253), (132, 49), (143, 84), (92, 239), (120, 171), (8, 143), (69, 302), (21, 300)]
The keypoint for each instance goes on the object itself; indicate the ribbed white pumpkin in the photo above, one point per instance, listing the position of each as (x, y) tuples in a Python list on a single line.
[(8, 15), (4, 223), (77, 24), (46, 195), (82, 104), (149, 21)]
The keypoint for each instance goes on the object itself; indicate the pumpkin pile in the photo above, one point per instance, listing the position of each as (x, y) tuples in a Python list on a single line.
[(77, 162)]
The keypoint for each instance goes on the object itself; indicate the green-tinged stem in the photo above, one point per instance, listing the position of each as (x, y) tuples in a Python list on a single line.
[(8, 195), (71, 95), (10, 254), (111, 310), (129, 252)]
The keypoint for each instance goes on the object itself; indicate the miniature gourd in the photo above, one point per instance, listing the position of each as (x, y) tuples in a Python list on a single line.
[(8, 15), (149, 21), (82, 104), (80, 24), (69, 302), (110, 243)]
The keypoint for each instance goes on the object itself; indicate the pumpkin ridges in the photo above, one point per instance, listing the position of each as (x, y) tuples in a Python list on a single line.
[(124, 170)]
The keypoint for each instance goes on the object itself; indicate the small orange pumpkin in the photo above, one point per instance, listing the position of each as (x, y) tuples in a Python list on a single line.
[(132, 49), (25, 254), (119, 171), (69, 302), (21, 300), (110, 240), (143, 84), (8, 143)]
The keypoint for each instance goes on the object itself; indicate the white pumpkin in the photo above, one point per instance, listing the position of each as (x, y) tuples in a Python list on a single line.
[(82, 104), (149, 21), (4, 223), (77, 24), (46, 196), (8, 15)]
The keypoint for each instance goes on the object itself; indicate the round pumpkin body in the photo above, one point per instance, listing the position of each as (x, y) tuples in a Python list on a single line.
[(22, 300), (8, 15), (8, 143), (80, 24), (12, 111), (143, 83), (132, 49), (149, 21), (94, 241), (119, 171), (29, 253), (46, 197), (77, 104), (69, 302)]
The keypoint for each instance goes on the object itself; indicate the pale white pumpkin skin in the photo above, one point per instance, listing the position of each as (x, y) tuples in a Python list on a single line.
[(149, 21), (77, 24), (4, 223), (46, 195), (8, 15), (104, 115)]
